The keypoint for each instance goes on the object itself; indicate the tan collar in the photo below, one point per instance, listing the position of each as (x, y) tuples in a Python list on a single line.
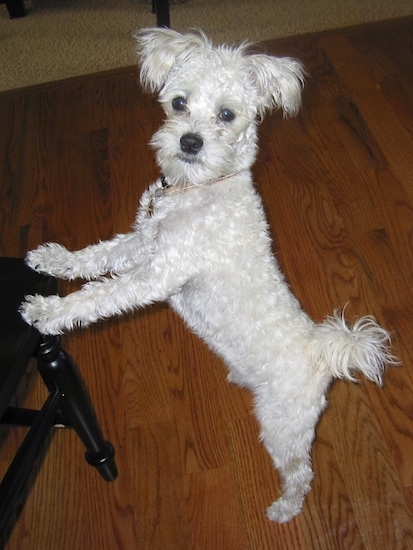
[(167, 189)]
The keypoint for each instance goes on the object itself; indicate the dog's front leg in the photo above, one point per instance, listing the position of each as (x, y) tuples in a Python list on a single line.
[(99, 300), (88, 263)]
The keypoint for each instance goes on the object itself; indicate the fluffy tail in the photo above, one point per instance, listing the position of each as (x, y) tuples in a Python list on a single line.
[(365, 348)]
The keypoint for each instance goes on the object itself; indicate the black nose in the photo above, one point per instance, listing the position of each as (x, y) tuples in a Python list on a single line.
[(191, 144)]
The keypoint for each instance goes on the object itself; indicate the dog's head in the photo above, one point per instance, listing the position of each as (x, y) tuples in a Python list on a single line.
[(212, 97)]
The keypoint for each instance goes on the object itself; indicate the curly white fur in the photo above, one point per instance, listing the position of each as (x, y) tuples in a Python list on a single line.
[(204, 246)]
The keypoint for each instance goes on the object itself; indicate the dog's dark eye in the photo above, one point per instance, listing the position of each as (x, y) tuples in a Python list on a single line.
[(226, 115), (179, 104)]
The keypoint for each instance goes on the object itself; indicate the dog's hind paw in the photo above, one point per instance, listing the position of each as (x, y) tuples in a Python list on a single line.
[(283, 509), (53, 259)]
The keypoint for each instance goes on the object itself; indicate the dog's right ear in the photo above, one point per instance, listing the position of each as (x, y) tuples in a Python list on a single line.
[(159, 49)]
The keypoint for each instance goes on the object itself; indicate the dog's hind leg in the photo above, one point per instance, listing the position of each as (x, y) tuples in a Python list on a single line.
[(287, 431), (296, 475)]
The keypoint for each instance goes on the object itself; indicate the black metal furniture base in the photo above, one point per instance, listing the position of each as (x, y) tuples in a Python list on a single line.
[(68, 403), (15, 8), (160, 7)]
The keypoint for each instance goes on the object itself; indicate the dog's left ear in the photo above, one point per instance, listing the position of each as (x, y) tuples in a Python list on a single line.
[(279, 81)]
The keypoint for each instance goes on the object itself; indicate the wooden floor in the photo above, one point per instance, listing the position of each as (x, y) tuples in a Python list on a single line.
[(337, 183)]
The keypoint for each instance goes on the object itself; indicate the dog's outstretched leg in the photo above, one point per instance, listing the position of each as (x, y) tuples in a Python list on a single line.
[(98, 300), (89, 263), (150, 279)]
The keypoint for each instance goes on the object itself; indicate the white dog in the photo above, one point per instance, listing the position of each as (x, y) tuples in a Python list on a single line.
[(201, 242)]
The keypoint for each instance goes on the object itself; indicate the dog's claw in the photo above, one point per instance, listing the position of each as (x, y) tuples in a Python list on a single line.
[(51, 259), (41, 312)]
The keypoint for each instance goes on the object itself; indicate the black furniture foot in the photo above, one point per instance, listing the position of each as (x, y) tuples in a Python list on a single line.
[(59, 373)]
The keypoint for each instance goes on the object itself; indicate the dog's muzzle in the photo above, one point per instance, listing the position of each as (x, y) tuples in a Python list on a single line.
[(191, 144)]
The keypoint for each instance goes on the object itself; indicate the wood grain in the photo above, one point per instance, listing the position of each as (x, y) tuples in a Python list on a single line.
[(337, 187)]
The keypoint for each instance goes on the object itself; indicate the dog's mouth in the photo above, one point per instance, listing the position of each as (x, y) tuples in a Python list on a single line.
[(189, 159)]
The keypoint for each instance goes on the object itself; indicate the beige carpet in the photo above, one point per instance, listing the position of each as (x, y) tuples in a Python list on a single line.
[(64, 38)]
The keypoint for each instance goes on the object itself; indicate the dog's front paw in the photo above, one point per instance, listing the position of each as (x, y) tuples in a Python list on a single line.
[(53, 259), (283, 509), (43, 312)]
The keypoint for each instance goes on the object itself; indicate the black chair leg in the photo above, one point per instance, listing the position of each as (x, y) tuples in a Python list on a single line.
[(59, 372), (15, 8), (161, 8), (14, 486)]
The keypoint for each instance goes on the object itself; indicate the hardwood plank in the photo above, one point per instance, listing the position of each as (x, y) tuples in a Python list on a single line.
[(161, 519), (200, 423), (391, 134), (379, 506), (147, 395), (214, 510), (258, 489)]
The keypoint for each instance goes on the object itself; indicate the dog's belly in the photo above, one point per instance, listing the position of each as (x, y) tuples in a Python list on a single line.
[(249, 325)]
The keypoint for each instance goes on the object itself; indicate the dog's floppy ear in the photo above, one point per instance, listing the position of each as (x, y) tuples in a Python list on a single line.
[(159, 49), (279, 81)]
